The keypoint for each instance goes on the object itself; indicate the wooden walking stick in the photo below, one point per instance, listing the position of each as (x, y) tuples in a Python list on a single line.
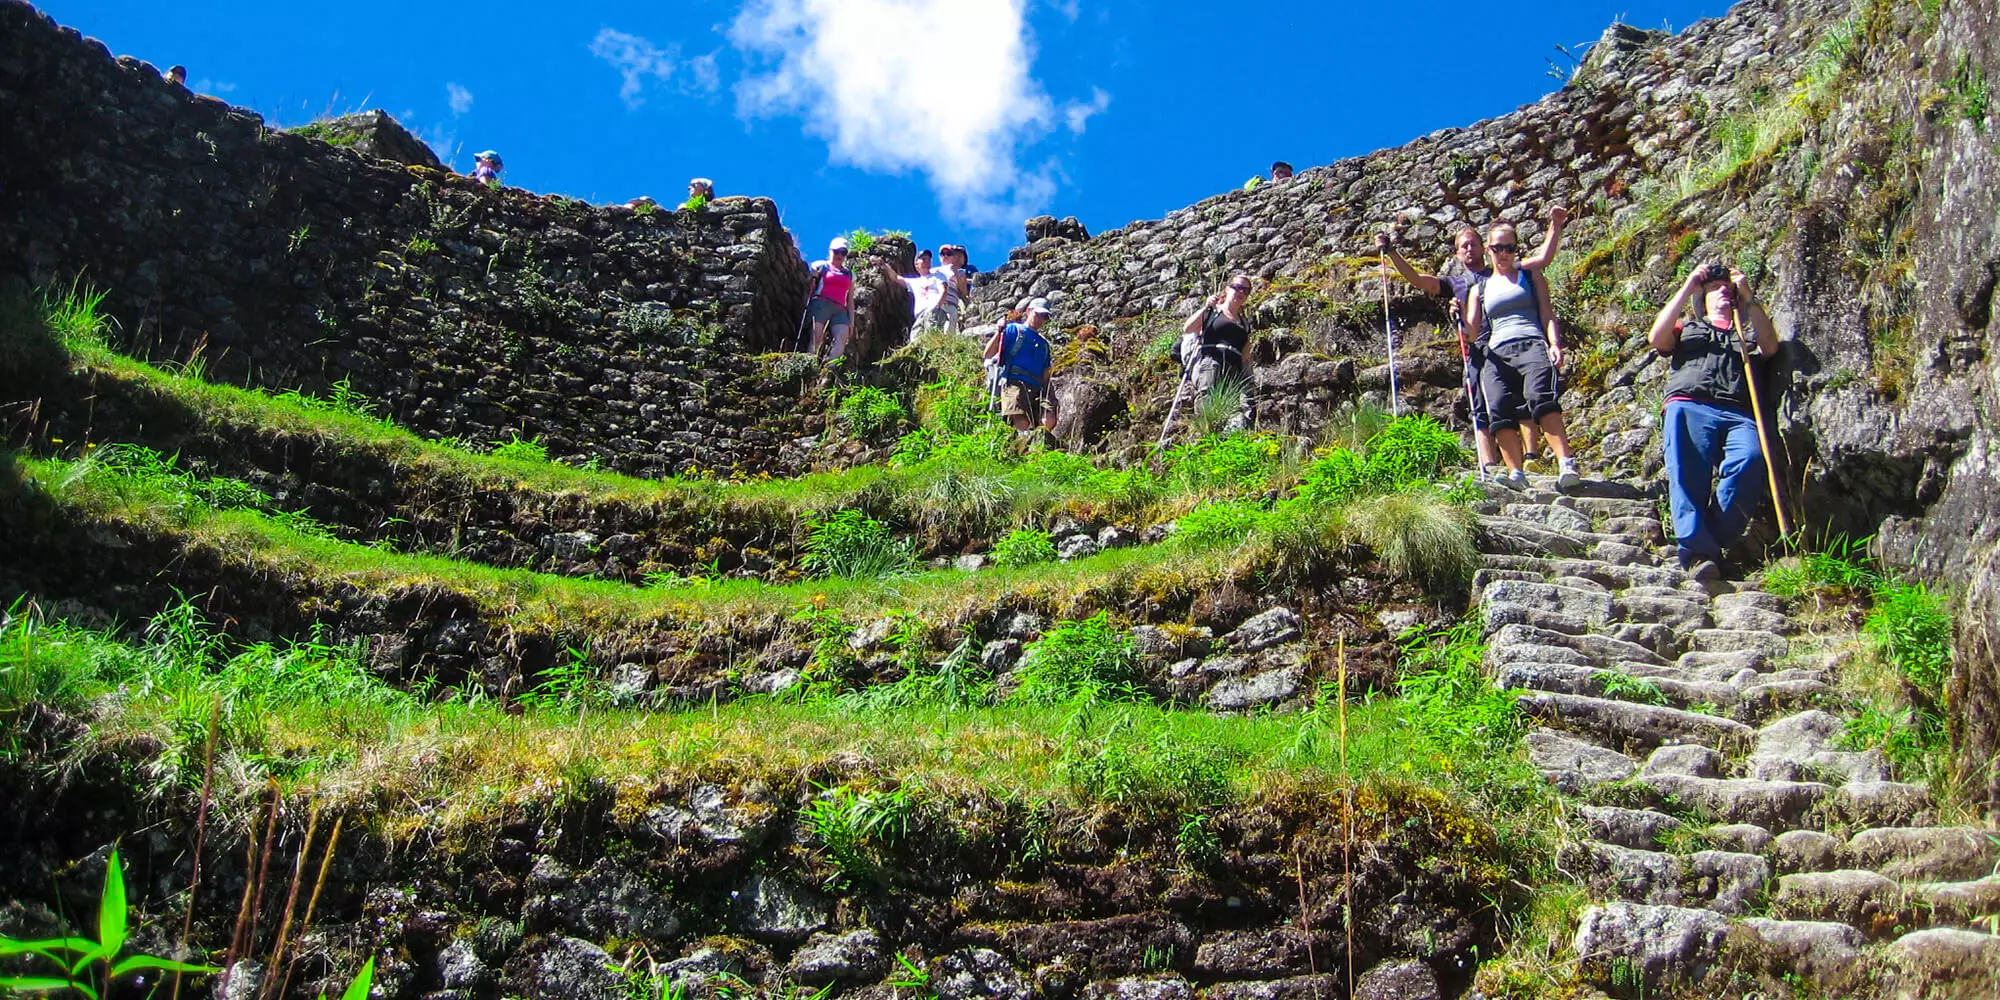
[(1757, 412)]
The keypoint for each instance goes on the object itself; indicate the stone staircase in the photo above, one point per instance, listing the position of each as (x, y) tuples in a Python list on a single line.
[(1730, 845)]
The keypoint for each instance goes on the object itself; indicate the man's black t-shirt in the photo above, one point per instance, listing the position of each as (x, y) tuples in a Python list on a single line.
[(1707, 365)]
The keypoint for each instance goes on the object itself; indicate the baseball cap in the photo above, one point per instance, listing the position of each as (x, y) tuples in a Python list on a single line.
[(487, 155), (839, 243), (1039, 306)]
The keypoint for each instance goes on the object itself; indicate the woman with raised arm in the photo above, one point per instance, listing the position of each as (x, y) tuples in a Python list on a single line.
[(1510, 309)]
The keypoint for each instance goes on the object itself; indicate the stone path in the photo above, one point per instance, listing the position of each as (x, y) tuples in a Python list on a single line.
[(1730, 845)]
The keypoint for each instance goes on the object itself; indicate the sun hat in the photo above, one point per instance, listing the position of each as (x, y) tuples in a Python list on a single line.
[(488, 155)]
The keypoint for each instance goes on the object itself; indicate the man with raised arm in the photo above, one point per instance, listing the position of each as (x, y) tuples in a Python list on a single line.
[(1470, 251), (1714, 457)]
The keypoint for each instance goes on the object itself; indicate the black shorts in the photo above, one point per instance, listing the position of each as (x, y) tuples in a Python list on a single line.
[(1519, 383)]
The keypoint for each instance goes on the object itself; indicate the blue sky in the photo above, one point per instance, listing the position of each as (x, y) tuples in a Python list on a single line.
[(952, 119)]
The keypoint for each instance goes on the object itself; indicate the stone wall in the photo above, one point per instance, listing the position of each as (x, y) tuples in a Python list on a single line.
[(289, 262)]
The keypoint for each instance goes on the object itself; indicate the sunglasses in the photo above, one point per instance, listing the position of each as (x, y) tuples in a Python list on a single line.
[(1239, 288), (1504, 247)]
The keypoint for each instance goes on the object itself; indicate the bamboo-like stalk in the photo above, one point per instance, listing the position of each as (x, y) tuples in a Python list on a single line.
[(312, 902), (242, 908), (291, 900), (200, 830), (1757, 413), (243, 941), (1347, 812)]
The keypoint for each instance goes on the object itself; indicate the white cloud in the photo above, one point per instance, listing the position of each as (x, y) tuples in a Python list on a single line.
[(636, 58), (1077, 113), (940, 86), (461, 98), (208, 86)]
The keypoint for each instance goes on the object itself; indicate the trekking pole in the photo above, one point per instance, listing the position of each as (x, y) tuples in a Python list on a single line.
[(1389, 334), (799, 341), (1757, 412), (1179, 391)]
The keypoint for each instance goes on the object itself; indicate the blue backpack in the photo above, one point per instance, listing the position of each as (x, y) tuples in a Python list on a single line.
[(1024, 353)]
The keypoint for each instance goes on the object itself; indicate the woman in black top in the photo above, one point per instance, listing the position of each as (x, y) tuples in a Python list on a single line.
[(1225, 335)]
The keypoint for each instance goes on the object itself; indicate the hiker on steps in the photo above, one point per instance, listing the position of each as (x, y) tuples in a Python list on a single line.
[(833, 282), (1510, 313), (1224, 333), (1024, 360), (1714, 460), (1470, 252)]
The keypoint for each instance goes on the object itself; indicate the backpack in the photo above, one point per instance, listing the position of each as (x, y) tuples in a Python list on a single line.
[(1023, 365), (1189, 348)]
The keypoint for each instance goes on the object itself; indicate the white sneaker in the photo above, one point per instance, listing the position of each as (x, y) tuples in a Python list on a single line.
[(1514, 479), (1567, 477)]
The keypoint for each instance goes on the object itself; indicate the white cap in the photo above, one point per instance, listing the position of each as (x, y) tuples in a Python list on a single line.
[(839, 243), (1039, 306)]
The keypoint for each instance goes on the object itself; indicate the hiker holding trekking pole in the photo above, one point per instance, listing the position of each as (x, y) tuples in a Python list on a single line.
[(1510, 312), (1470, 252), (1025, 359), (1713, 428), (1224, 332)]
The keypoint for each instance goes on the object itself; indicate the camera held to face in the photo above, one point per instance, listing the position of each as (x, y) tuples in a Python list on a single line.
[(1714, 272)]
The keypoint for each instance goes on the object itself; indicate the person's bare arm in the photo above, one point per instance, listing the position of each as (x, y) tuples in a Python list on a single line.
[(1558, 216), (1193, 324), (1429, 284), (1752, 310), (993, 343), (1541, 283), (1666, 334), (1475, 315)]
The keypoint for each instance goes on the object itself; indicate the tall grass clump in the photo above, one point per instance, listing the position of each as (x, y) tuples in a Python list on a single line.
[(1084, 660), (1911, 630), (868, 411), (1163, 770), (849, 543), (1840, 567), (1418, 535)]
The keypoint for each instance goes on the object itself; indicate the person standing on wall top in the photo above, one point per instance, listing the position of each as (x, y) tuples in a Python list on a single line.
[(1281, 171), (1225, 336), (177, 75), (486, 168), (1024, 358), (701, 191), (951, 274), (1470, 251), (833, 283), (1511, 314), (923, 262), (1714, 458)]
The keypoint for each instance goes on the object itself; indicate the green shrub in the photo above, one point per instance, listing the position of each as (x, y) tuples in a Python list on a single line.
[(1912, 740), (860, 241), (517, 450), (1158, 771), (1841, 567), (341, 397), (869, 411), (856, 828), (1418, 535), (849, 543), (1413, 451), (1024, 547), (1081, 660), (1442, 682), (1219, 522), (1337, 478), (1234, 463), (1911, 629)]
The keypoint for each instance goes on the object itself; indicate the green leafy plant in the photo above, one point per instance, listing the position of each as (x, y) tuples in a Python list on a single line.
[(1078, 660), (1839, 567), (1225, 462), (1024, 547), (1452, 699), (572, 683), (341, 397), (517, 449), (94, 965), (1219, 522), (297, 241), (1196, 842), (422, 246), (1161, 771), (849, 543), (860, 241), (1912, 631), (1626, 687), (854, 828), (868, 411)]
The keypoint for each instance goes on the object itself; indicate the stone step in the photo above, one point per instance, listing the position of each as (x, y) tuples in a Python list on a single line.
[(1569, 678), (1731, 640), (1609, 575), (1866, 900), (1713, 880), (1771, 698), (1609, 507), (1682, 614), (1945, 963), (1826, 953), (1830, 766), (1644, 530), (1640, 829), (1722, 666), (1799, 851), (1958, 903), (1883, 803), (1753, 619), (1777, 806), (1593, 606), (1525, 538), (1510, 641), (1686, 759), (1926, 853), (1485, 578), (1574, 765), (1755, 599), (1625, 726), (1554, 516), (1661, 947)]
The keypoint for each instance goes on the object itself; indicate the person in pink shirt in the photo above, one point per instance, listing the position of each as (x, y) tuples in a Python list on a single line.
[(833, 282)]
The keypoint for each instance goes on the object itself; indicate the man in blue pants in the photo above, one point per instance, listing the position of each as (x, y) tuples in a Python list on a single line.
[(1715, 466)]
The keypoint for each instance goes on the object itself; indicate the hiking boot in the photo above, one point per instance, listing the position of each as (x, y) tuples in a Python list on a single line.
[(1704, 570), (1514, 479), (1568, 478)]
